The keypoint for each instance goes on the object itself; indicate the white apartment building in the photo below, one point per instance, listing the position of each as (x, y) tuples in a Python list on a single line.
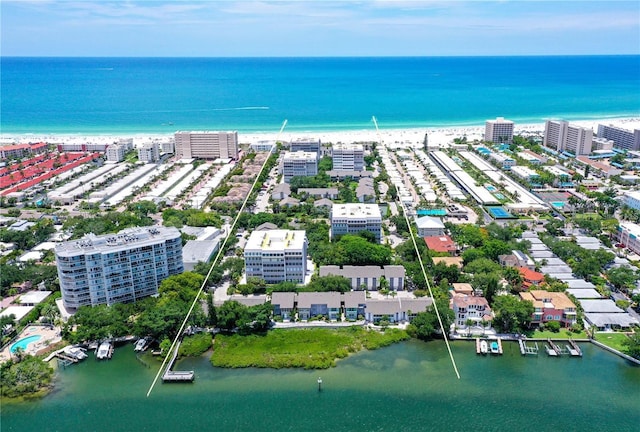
[(498, 130), (353, 218), (306, 145), (149, 152), (115, 153), (622, 139), (206, 145), (347, 157), (368, 277), (117, 268), (628, 234), (504, 161), (564, 137), (263, 145), (525, 173), (632, 199), (300, 163), (276, 256)]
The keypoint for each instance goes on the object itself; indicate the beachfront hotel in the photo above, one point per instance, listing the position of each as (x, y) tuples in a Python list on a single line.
[(353, 218), (117, 268), (498, 130), (300, 163), (206, 145), (622, 139), (565, 137), (276, 255), (347, 157)]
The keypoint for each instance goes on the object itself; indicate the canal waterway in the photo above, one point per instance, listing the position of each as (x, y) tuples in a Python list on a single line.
[(406, 387)]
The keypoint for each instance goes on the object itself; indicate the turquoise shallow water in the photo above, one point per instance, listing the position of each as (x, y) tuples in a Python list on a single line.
[(160, 95), (406, 387)]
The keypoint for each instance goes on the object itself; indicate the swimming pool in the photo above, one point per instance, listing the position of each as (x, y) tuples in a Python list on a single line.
[(24, 342), (491, 188), (558, 204), (431, 212), (499, 196)]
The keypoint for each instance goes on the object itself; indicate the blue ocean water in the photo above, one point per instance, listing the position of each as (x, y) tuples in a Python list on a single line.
[(123, 95)]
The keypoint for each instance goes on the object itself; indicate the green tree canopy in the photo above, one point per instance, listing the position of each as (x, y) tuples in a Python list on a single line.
[(512, 315)]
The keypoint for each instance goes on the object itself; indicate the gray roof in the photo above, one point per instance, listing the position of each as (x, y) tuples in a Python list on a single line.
[(289, 201), (541, 254), (580, 284), (282, 187), (556, 269), (383, 307), (555, 262), (323, 202), (306, 299), (588, 293), (283, 299), (267, 226), (252, 300), (539, 247), (353, 299), (389, 271), (319, 191), (604, 319), (199, 250), (415, 305), (564, 277), (600, 306), (355, 174)]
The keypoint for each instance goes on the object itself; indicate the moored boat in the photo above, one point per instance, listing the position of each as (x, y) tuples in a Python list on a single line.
[(484, 348)]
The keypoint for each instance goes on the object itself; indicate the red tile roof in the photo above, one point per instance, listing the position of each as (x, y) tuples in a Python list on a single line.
[(442, 243)]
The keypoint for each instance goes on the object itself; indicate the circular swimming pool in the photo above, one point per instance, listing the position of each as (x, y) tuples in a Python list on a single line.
[(24, 342)]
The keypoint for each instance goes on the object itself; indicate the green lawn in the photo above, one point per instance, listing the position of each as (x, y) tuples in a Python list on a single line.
[(562, 334), (613, 340), (305, 348)]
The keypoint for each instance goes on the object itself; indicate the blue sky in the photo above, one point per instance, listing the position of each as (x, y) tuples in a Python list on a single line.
[(317, 28)]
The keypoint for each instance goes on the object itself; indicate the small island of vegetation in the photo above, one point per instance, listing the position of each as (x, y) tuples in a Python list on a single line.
[(301, 348)]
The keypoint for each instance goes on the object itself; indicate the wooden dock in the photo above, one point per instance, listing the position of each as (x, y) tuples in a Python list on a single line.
[(500, 351), (177, 376), (524, 349), (550, 351), (574, 349)]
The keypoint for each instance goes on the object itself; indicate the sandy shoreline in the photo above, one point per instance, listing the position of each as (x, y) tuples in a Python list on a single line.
[(436, 136)]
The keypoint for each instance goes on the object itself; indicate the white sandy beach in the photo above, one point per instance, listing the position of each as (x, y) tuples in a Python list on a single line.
[(410, 136)]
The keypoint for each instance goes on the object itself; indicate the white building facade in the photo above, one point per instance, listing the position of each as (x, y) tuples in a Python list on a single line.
[(149, 152), (299, 163), (306, 145), (353, 218), (276, 255), (347, 157), (117, 268)]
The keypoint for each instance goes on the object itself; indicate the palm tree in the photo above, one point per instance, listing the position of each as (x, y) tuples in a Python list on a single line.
[(469, 323)]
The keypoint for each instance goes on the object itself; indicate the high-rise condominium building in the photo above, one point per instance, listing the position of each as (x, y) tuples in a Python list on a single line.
[(206, 145), (299, 164), (498, 130), (564, 137), (117, 268), (149, 152), (276, 256), (622, 139), (353, 218), (306, 145), (347, 157)]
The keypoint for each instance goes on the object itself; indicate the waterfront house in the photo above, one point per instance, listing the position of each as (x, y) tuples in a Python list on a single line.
[(551, 306), (368, 277), (283, 304), (314, 304), (395, 310), (474, 308), (354, 304)]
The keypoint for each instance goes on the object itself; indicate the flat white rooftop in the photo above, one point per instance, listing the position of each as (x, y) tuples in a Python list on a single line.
[(276, 240)]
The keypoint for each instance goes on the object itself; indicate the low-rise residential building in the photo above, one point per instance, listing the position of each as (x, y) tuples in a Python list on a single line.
[(115, 153), (280, 191), (195, 251), (263, 145), (276, 255), (525, 173), (395, 310), (311, 145), (505, 162), (368, 277), (283, 304), (354, 304), (316, 304), (331, 193), (429, 226), (516, 259), (632, 199), (149, 152), (530, 277), (551, 306), (354, 218), (442, 243), (474, 308)]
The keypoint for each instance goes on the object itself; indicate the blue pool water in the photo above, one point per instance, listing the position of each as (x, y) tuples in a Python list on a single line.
[(491, 188), (499, 196), (499, 212), (558, 204), (24, 342), (432, 212)]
